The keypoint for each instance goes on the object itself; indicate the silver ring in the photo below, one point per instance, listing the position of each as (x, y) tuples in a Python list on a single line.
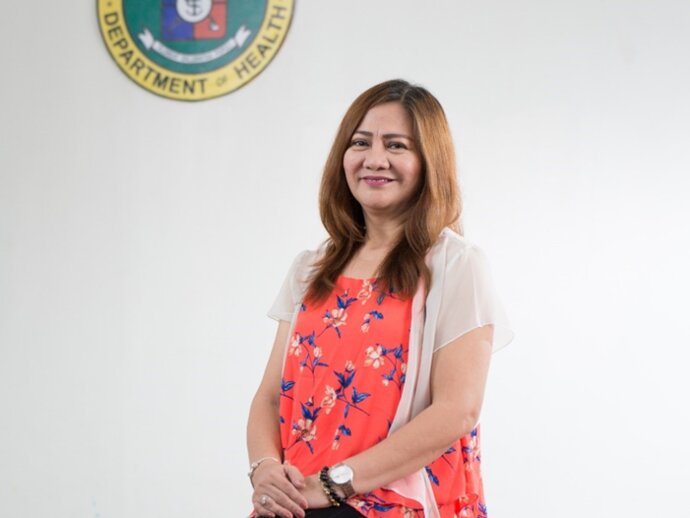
[(263, 500)]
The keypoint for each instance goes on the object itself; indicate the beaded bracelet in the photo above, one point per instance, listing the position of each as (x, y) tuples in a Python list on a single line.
[(333, 497)]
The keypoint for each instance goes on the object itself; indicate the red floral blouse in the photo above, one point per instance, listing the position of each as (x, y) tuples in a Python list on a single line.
[(342, 379)]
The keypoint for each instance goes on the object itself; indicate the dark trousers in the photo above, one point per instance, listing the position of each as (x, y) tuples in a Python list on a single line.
[(344, 511)]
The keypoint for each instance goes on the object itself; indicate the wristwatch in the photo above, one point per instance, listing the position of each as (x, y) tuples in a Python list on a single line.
[(341, 476)]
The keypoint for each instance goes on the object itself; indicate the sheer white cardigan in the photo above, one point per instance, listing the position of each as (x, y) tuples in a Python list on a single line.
[(461, 298)]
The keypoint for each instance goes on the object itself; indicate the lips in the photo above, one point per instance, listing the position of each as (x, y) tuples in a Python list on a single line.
[(376, 180)]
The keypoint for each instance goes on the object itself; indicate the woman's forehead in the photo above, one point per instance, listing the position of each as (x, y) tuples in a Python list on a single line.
[(387, 119)]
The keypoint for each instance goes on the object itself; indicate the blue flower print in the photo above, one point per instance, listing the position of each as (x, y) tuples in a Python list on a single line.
[(432, 477), (312, 352), (376, 315), (377, 355), (351, 400), (304, 429), (334, 318), (471, 452)]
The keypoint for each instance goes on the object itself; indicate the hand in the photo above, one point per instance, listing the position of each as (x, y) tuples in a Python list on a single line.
[(278, 487), (313, 492)]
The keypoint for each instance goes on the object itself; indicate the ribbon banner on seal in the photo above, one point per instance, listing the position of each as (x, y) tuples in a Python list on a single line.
[(151, 43)]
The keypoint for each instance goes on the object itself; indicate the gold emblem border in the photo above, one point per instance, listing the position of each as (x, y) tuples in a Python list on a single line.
[(193, 87)]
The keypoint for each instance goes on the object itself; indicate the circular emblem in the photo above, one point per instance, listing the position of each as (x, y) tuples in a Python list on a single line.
[(193, 50)]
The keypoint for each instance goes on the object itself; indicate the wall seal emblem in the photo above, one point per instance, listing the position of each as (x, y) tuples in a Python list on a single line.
[(192, 50)]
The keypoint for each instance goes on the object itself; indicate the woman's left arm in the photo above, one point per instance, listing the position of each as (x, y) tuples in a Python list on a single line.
[(458, 377)]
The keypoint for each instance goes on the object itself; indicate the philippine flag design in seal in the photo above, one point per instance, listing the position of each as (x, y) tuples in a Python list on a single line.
[(193, 19)]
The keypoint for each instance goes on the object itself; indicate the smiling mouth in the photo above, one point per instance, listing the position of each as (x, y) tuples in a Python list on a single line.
[(376, 180)]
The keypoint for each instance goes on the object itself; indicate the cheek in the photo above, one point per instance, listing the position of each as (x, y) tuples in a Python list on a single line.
[(349, 162), (414, 170), (349, 166)]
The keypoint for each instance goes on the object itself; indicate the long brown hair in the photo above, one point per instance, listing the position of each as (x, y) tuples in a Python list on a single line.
[(437, 204)]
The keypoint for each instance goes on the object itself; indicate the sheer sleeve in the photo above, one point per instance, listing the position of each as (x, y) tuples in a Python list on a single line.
[(469, 300), (292, 290)]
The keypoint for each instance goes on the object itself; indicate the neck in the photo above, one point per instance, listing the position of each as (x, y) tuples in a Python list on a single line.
[(381, 232)]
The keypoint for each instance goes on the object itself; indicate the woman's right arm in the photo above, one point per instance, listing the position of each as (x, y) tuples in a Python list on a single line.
[(271, 478)]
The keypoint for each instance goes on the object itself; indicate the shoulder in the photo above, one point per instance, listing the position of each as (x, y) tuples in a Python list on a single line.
[(452, 248), (303, 263), (305, 258), (303, 266)]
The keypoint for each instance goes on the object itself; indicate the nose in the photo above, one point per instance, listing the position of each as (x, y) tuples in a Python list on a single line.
[(376, 158)]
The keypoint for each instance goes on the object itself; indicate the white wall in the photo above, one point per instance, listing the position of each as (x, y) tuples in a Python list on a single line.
[(142, 241)]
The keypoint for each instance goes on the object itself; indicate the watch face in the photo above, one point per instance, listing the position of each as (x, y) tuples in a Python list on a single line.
[(341, 474)]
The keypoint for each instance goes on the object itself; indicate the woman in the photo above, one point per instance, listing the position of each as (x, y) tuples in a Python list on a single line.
[(371, 396)]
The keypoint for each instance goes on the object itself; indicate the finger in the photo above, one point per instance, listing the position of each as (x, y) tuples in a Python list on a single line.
[(297, 501), (295, 476), (273, 506), (276, 485), (263, 512), (290, 498), (292, 502)]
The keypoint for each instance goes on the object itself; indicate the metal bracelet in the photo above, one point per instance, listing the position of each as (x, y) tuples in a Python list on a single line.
[(256, 464)]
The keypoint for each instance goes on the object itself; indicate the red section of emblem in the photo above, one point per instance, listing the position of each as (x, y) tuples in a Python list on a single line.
[(215, 24)]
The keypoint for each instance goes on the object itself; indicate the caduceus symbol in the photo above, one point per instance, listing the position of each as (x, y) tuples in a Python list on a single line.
[(193, 7), (194, 11)]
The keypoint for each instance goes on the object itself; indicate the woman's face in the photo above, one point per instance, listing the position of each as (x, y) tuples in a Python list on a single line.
[(382, 165)]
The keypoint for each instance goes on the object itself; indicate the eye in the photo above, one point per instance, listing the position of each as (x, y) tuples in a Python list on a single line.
[(359, 143), (396, 145)]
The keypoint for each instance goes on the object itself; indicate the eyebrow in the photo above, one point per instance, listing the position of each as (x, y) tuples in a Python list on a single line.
[(387, 135)]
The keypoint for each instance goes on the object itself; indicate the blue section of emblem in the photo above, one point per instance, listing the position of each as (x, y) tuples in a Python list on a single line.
[(172, 26)]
